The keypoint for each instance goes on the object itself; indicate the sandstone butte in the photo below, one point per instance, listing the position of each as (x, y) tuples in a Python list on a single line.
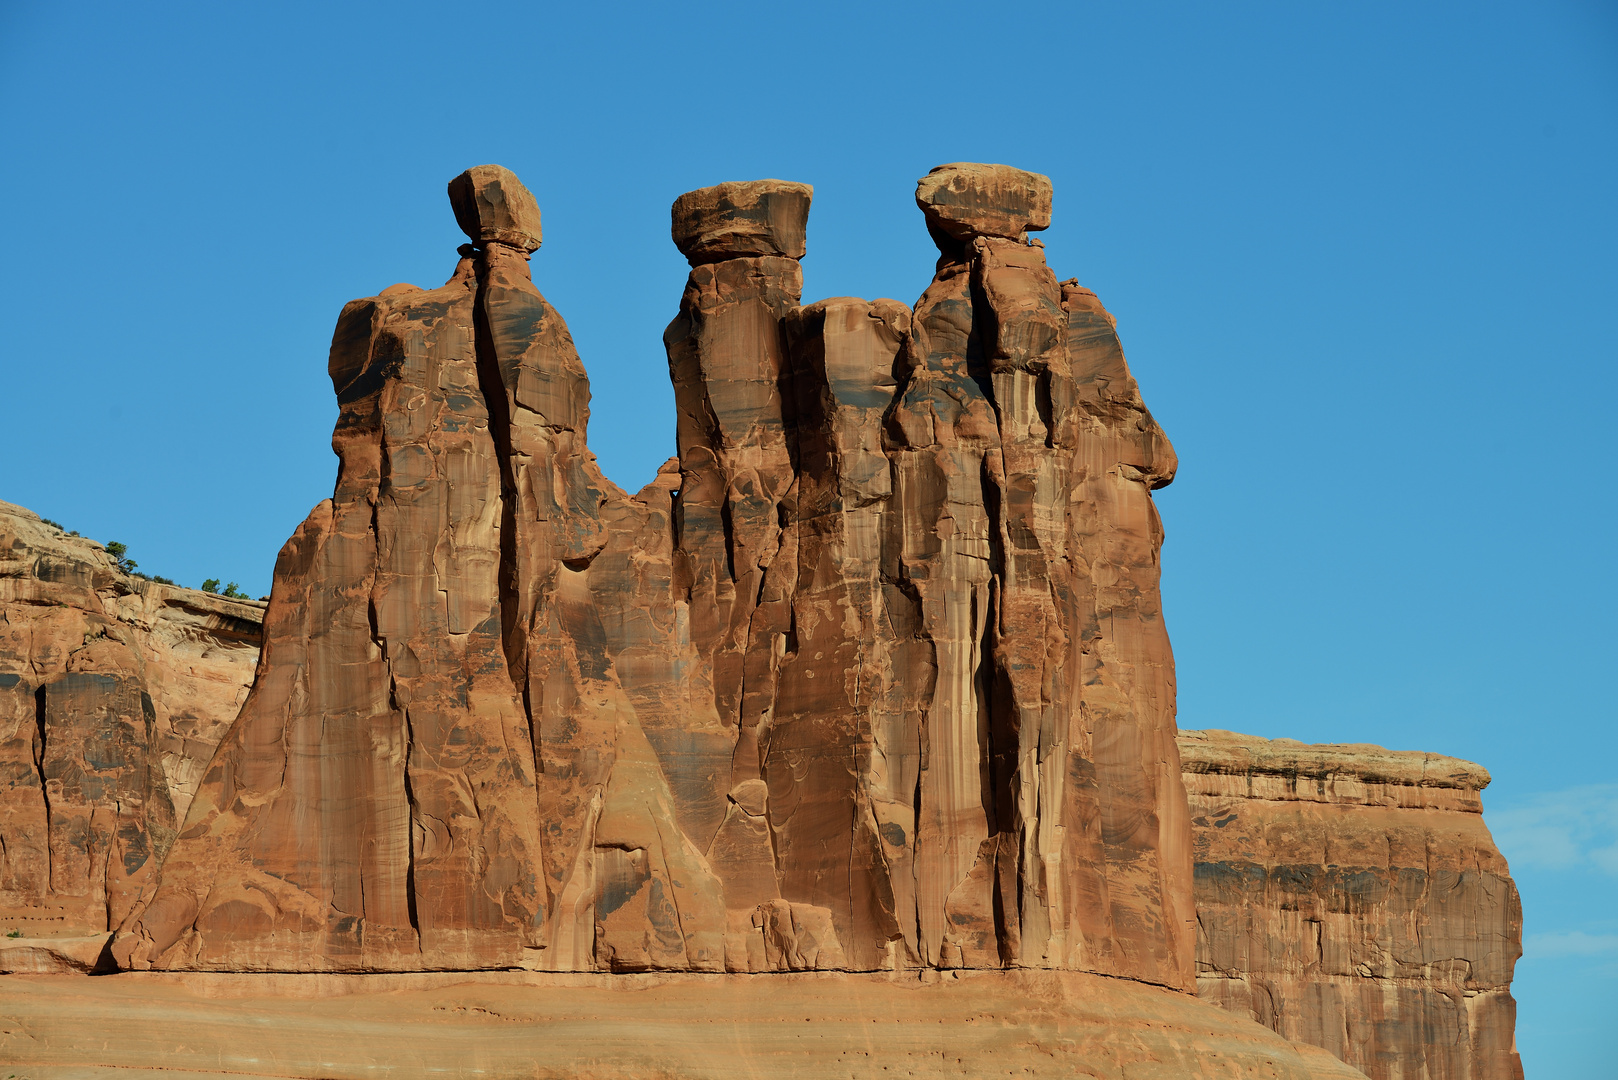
[(1351, 897), (861, 714)]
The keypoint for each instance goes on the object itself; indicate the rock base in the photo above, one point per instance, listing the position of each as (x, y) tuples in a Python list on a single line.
[(529, 1025)]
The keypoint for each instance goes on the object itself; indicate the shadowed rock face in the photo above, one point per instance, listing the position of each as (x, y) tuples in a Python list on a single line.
[(1351, 897), (873, 675), (113, 692)]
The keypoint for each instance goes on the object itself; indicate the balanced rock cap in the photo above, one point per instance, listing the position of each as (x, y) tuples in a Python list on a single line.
[(967, 199), (742, 218), (491, 205)]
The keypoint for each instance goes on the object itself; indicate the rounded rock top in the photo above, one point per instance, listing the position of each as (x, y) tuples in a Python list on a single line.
[(967, 199), (492, 206), (741, 219)]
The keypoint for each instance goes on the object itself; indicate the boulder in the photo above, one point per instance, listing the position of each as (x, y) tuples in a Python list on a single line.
[(967, 200), (492, 206), (742, 219)]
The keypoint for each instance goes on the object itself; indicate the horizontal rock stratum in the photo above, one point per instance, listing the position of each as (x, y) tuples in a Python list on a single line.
[(868, 692), (1351, 897)]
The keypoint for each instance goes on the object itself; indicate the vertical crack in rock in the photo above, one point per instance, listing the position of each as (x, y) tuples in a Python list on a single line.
[(415, 829), (513, 616), (41, 729), (1024, 334)]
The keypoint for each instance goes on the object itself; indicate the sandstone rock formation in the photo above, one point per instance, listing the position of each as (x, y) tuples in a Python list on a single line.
[(1351, 897), (113, 692), (872, 676)]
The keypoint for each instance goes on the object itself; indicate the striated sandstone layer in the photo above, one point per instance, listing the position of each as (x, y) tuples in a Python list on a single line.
[(524, 1026), (872, 676), (1351, 897), (113, 692)]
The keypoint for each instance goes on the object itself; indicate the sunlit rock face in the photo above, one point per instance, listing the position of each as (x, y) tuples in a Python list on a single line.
[(1351, 897), (872, 676), (113, 692)]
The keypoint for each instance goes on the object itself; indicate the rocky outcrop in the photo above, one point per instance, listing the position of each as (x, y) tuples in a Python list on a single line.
[(871, 498), (873, 675), (1351, 897), (113, 692)]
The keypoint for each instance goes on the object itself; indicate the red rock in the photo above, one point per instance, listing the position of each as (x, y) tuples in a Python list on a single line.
[(872, 677), (967, 200), (842, 693), (742, 219), (366, 810), (111, 689), (1130, 863), (438, 767), (1351, 897), (492, 206)]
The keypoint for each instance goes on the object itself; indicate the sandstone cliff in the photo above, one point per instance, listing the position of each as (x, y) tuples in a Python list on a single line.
[(113, 693), (1351, 897), (873, 675)]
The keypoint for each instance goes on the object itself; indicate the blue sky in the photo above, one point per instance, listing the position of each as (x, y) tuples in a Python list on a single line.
[(1363, 259)]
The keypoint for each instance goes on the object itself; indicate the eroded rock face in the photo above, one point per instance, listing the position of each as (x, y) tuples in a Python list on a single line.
[(873, 675), (967, 200), (742, 218), (1351, 897), (113, 693), (491, 205)]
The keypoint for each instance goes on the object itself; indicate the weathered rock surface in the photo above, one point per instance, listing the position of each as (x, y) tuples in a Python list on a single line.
[(1351, 897), (967, 200), (521, 1026), (113, 692), (491, 205), (742, 218), (872, 676)]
